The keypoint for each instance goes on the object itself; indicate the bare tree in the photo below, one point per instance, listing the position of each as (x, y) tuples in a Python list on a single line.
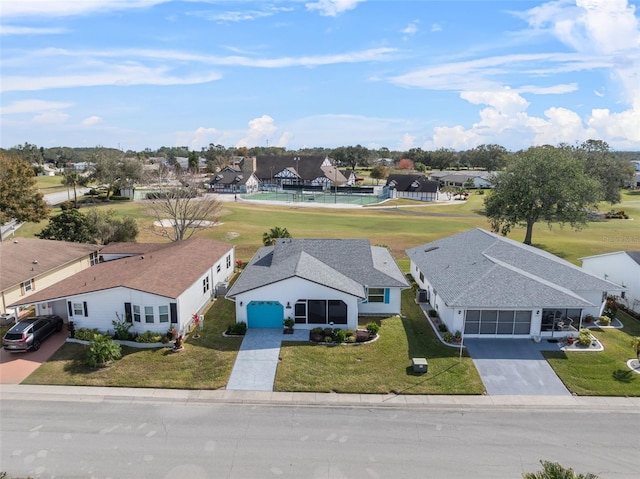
[(180, 208)]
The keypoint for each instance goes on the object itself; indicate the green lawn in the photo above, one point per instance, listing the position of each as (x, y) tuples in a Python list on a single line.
[(205, 363), (601, 373), (50, 184), (383, 366)]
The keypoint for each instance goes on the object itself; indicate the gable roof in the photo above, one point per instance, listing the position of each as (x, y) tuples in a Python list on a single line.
[(418, 183), (165, 272), (634, 255), (348, 265), (230, 176), (307, 168), (26, 258), (484, 270)]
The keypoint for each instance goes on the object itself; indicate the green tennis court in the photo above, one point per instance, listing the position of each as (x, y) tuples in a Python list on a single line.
[(315, 197)]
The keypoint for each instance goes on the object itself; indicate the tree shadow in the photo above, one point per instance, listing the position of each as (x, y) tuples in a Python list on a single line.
[(624, 376)]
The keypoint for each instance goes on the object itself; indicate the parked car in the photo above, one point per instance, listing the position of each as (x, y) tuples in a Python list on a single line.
[(7, 318), (29, 333)]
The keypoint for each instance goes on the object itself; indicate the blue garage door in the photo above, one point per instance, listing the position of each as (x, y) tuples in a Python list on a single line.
[(264, 314)]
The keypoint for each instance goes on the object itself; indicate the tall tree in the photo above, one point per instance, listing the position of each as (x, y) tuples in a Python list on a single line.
[(180, 210), (379, 172), (541, 184), (611, 171), (19, 196), (74, 179), (269, 238), (115, 172), (193, 159), (106, 227)]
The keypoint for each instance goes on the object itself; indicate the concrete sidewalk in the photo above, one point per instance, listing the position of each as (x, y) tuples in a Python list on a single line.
[(629, 405)]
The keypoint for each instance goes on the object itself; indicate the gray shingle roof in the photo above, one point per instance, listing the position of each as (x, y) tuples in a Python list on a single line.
[(634, 255), (343, 264), (481, 269)]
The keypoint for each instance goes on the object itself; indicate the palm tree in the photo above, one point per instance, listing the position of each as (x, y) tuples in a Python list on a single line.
[(269, 238), (73, 178), (553, 470), (635, 344)]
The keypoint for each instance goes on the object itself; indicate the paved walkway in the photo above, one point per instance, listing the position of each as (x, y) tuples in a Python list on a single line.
[(514, 367), (15, 367), (257, 360)]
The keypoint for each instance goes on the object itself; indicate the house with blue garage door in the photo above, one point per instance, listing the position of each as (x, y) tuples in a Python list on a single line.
[(317, 282)]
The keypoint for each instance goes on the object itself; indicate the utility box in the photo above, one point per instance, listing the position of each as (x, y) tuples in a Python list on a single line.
[(419, 365)]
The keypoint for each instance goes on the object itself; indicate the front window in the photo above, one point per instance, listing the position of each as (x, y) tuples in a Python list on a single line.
[(376, 295), (78, 309), (228, 261), (205, 284), (148, 314), (163, 313), (136, 313)]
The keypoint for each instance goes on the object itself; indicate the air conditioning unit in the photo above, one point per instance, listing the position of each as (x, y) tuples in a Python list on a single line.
[(422, 296), (221, 289)]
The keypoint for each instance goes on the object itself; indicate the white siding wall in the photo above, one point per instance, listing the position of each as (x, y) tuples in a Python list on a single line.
[(621, 269), (289, 291), (390, 308)]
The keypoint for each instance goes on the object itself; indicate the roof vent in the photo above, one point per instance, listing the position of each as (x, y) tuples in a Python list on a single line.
[(431, 249), (35, 261)]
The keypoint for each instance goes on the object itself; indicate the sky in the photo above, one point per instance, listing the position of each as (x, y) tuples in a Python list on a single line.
[(137, 74)]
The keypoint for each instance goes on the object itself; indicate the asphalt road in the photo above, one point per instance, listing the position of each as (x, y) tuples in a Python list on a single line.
[(134, 437)]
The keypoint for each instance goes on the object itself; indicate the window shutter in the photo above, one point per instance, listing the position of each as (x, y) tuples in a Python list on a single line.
[(174, 312), (70, 308), (386, 295), (86, 312), (127, 313)]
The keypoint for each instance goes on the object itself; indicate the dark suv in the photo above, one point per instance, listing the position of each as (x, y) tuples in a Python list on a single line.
[(29, 333)]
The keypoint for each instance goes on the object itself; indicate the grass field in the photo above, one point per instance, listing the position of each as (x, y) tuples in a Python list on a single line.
[(50, 184), (601, 374)]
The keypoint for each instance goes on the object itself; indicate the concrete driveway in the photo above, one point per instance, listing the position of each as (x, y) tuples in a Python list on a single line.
[(15, 367), (514, 367)]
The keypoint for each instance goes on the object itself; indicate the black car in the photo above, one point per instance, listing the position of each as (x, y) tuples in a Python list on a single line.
[(29, 333)]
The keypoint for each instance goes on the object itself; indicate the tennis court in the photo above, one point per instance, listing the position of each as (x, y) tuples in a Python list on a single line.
[(315, 197)]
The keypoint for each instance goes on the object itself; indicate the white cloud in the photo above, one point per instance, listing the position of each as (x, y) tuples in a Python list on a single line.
[(407, 142), (92, 120), (14, 30), (260, 130), (505, 101), (412, 28), (65, 8), (33, 106), (332, 8), (436, 27), (51, 117), (239, 15)]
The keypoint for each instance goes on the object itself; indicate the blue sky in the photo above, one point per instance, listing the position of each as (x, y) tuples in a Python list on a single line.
[(135, 74)]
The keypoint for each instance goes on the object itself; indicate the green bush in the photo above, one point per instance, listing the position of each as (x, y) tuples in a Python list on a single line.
[(433, 313), (317, 331), (340, 335), (584, 338), (373, 328), (443, 328), (349, 332), (289, 323), (149, 337), (237, 328), (448, 337), (604, 320), (122, 327), (351, 339), (85, 334), (119, 198), (328, 339), (102, 350), (328, 331)]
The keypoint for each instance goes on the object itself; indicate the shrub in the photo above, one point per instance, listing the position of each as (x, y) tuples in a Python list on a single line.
[(443, 328), (85, 334), (289, 323), (122, 327), (328, 332), (604, 320), (351, 339), (149, 337), (328, 339), (317, 331), (102, 350), (448, 337), (119, 198), (433, 313), (584, 338), (373, 328), (340, 335), (457, 335), (349, 332), (237, 328)]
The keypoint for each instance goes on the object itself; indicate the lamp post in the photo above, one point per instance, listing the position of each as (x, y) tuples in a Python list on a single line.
[(335, 184)]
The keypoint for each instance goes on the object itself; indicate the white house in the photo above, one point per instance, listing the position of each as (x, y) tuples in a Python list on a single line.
[(486, 285), (317, 282), (163, 287), (621, 267)]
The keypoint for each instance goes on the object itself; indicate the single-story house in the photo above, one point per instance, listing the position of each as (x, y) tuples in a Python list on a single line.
[(30, 265), (231, 179), (414, 187), (162, 287), (621, 267), (460, 179), (486, 285), (317, 282)]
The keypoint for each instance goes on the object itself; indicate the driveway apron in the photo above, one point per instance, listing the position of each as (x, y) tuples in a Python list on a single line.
[(16, 367), (514, 367), (257, 361)]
